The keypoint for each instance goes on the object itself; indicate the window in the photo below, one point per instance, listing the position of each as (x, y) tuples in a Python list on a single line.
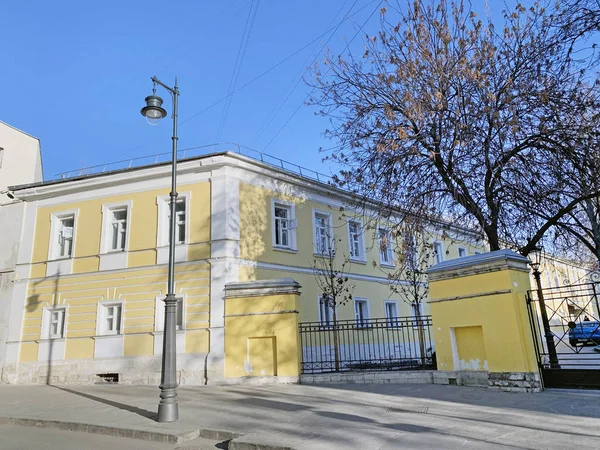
[(391, 313), (62, 235), (412, 258), (462, 252), (417, 312), (355, 240), (65, 237), (182, 218), (323, 236), (54, 323), (116, 221), (325, 311), (179, 221), (438, 250), (110, 318), (283, 225), (1, 156), (384, 237), (361, 312), (282, 219), (118, 229), (160, 314)]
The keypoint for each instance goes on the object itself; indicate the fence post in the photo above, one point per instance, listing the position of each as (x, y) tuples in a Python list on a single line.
[(261, 330), (481, 326)]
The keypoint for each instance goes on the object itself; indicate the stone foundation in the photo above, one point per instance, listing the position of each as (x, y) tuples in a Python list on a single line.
[(131, 370), (403, 377), (504, 381), (515, 381)]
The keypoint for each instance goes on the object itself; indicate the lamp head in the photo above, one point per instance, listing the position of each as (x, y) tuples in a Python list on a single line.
[(536, 258), (153, 111)]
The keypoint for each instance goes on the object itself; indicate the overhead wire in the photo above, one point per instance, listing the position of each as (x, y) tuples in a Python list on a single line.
[(312, 90), (238, 64), (266, 72), (194, 45), (298, 77)]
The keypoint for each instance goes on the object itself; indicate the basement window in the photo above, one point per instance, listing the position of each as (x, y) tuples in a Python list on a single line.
[(112, 378)]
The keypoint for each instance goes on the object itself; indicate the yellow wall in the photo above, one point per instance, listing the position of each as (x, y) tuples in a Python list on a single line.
[(261, 344), (142, 227), (138, 290), (495, 327), (375, 292), (256, 244)]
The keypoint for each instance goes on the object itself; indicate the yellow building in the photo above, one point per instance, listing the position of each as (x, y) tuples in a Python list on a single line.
[(92, 267)]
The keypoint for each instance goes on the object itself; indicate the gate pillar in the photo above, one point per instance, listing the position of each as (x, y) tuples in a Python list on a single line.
[(481, 326), (261, 330)]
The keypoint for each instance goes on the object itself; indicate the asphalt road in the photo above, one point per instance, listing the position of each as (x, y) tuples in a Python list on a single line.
[(14, 437)]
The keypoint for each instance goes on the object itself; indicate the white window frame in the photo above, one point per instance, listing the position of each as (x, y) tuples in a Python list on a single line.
[(159, 313), (413, 313), (464, 250), (362, 257), (107, 214), (164, 210), (329, 308), (439, 257), (389, 250), (101, 317), (359, 322), (389, 320), (328, 216), (292, 224), (47, 322), (55, 222)]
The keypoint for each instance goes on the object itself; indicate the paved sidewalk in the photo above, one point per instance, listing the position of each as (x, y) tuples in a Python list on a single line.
[(321, 417)]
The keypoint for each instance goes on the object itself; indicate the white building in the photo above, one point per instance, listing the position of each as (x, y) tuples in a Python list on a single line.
[(20, 163)]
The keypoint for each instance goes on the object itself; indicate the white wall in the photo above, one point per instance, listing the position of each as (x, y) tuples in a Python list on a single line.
[(21, 164), (22, 160)]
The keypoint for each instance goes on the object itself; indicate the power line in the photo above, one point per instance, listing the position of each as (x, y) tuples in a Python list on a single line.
[(312, 90), (238, 64), (273, 113), (287, 58)]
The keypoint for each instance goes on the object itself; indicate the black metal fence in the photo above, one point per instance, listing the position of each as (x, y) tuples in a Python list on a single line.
[(574, 321), (399, 343)]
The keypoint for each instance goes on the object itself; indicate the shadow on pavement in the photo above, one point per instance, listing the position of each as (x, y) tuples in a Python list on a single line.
[(139, 411), (544, 402)]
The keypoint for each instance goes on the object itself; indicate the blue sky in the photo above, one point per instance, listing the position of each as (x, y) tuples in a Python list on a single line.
[(75, 74)]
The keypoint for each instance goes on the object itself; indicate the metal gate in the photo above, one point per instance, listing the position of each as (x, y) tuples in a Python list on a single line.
[(566, 331)]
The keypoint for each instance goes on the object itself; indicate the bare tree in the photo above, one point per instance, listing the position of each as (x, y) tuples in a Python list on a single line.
[(414, 254), (445, 116), (331, 276)]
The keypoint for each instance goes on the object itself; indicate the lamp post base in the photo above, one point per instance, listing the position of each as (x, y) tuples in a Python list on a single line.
[(168, 408)]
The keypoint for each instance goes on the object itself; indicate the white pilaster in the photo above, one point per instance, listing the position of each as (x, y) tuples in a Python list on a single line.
[(225, 251)]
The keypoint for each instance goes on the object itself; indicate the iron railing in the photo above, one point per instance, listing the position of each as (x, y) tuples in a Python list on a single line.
[(399, 343), (192, 152), (574, 320)]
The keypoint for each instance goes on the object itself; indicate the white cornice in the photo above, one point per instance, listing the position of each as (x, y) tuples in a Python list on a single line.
[(160, 173)]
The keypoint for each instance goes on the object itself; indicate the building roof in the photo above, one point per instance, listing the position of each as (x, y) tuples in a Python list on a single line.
[(20, 131), (264, 161)]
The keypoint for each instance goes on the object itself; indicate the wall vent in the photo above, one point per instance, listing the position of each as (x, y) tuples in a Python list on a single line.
[(112, 378)]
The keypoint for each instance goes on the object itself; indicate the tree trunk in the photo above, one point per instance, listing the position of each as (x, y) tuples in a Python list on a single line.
[(336, 350), (421, 335)]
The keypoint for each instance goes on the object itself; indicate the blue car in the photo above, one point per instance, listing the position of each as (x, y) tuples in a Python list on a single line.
[(586, 332)]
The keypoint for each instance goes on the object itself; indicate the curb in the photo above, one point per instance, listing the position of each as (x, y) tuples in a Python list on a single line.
[(143, 435), (259, 441)]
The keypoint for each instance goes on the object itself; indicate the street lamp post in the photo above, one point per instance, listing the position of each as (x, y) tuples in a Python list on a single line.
[(168, 409), (549, 336)]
